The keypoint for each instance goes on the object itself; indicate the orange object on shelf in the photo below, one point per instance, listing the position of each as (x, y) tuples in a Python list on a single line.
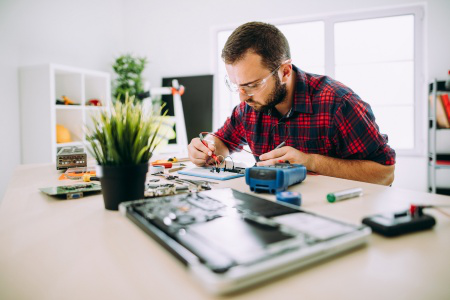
[(67, 100), (62, 134), (94, 102)]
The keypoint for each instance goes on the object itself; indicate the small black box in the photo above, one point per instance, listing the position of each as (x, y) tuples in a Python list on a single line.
[(398, 223)]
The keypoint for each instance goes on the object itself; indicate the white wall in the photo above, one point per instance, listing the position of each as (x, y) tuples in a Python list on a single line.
[(177, 37), (83, 33)]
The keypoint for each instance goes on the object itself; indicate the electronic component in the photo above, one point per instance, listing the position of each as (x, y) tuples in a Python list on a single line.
[(394, 224), (153, 190), (74, 191), (274, 178), (230, 240), (211, 173), (157, 190), (71, 157), (233, 169)]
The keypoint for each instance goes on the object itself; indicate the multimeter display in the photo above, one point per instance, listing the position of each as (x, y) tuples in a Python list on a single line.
[(275, 178)]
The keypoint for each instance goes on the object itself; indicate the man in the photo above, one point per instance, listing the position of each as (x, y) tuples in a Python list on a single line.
[(286, 114)]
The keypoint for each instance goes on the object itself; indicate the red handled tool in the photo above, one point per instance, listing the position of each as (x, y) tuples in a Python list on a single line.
[(166, 165), (216, 159)]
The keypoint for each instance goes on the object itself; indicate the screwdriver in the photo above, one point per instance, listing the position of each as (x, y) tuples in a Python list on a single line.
[(206, 144)]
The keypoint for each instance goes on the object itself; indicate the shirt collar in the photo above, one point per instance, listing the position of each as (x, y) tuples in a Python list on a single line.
[(302, 99)]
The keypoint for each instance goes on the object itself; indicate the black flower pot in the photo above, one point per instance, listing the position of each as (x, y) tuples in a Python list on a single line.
[(122, 183)]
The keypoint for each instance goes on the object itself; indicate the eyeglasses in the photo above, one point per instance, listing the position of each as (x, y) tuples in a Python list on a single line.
[(251, 88)]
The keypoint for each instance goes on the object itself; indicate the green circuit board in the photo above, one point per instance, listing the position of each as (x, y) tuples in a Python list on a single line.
[(72, 191)]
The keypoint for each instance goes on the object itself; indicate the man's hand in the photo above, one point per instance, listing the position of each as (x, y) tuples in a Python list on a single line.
[(283, 154), (199, 154)]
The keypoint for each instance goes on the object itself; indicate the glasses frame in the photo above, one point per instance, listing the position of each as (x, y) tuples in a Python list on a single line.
[(256, 86)]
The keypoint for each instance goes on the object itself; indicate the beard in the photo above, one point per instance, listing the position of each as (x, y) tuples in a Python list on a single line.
[(277, 96)]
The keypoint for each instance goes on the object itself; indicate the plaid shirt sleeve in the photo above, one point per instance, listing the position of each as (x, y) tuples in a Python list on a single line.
[(233, 130), (357, 135)]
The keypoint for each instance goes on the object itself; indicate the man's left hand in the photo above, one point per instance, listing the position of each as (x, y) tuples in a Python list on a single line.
[(283, 154)]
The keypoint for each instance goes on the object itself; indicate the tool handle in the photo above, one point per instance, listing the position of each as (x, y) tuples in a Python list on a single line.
[(206, 145), (167, 165)]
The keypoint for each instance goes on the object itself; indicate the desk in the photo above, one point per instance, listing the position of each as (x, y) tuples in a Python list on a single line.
[(75, 249)]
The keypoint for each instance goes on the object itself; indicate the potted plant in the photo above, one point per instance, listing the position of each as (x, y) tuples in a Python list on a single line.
[(122, 141), (129, 76)]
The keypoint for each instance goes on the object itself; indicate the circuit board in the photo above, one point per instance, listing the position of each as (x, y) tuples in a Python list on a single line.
[(212, 173), (72, 191)]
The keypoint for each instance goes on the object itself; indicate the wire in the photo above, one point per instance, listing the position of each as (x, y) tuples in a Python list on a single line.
[(418, 208), (286, 133), (442, 211), (223, 159), (227, 141), (286, 130)]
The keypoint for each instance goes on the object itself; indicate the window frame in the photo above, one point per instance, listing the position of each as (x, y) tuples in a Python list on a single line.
[(420, 87)]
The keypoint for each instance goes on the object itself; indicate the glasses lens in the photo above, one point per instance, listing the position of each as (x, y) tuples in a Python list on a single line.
[(248, 90), (231, 86)]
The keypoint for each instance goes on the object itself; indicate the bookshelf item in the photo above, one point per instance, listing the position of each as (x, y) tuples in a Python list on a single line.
[(438, 140), (56, 99), (441, 115), (446, 104)]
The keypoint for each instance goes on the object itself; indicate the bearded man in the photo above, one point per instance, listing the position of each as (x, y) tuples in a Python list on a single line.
[(287, 114)]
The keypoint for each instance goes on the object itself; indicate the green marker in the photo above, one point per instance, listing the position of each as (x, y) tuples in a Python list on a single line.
[(345, 194)]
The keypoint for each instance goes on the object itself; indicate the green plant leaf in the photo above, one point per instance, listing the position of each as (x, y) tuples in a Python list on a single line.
[(126, 135)]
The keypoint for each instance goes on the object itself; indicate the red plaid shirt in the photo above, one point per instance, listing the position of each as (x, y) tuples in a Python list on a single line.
[(326, 118)]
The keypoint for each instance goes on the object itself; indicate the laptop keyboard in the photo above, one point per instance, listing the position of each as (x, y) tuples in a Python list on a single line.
[(262, 207)]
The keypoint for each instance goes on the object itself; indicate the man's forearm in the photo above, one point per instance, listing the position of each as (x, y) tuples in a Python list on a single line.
[(361, 170)]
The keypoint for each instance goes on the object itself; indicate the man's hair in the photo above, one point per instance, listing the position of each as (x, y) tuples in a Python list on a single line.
[(263, 39)]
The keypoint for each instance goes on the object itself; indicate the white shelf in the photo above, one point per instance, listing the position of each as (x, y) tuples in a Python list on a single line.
[(438, 143), (95, 108), (68, 107), (79, 143), (40, 86)]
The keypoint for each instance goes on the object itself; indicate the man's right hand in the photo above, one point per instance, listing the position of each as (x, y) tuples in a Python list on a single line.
[(199, 154)]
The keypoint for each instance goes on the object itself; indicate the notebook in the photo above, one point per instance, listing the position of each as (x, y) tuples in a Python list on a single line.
[(230, 240)]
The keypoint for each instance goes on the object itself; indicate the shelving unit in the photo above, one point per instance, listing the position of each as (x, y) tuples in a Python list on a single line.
[(438, 146), (40, 86)]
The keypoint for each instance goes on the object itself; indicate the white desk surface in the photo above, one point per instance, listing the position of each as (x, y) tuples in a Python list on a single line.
[(75, 249)]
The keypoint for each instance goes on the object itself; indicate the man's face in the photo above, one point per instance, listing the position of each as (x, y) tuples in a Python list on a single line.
[(276, 96), (249, 72)]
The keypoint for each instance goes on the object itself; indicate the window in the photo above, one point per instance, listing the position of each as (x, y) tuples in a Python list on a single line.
[(375, 58), (377, 54), (227, 101), (307, 44)]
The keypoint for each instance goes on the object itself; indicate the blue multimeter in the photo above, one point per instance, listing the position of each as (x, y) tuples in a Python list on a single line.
[(274, 178)]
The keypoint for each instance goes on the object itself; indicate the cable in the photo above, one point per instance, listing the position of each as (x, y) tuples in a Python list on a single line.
[(442, 212), (227, 141), (416, 209), (286, 133), (286, 130), (223, 159)]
